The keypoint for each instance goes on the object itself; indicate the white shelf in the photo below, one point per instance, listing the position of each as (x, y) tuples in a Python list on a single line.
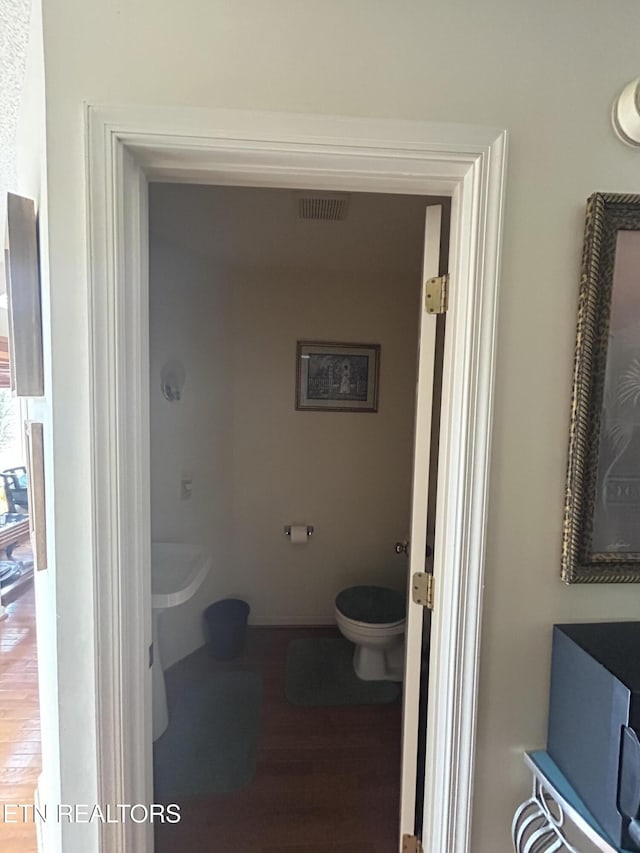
[(539, 823)]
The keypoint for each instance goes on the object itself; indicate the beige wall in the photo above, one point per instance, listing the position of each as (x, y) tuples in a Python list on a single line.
[(548, 72), (257, 463)]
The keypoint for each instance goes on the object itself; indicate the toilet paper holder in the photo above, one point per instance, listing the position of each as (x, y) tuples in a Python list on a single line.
[(287, 530)]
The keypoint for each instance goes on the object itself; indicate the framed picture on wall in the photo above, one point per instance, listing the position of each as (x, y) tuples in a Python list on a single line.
[(37, 507), (22, 275), (334, 377), (601, 534)]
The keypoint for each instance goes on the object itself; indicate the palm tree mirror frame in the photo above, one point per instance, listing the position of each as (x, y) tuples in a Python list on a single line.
[(601, 530)]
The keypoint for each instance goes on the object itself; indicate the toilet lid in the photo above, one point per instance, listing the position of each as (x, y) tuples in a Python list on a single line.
[(376, 605)]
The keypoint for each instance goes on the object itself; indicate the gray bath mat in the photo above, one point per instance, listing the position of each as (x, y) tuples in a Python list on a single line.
[(320, 672), (211, 743)]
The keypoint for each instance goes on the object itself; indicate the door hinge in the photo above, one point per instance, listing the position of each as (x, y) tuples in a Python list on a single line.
[(436, 294), (422, 589), (411, 844), (150, 655)]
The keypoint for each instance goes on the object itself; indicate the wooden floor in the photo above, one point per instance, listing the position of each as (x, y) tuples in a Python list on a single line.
[(19, 718), (327, 779)]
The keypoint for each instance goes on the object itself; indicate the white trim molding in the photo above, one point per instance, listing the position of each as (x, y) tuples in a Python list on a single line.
[(126, 148)]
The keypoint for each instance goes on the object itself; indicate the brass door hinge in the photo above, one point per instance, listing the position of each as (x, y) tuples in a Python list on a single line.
[(422, 589), (436, 294), (411, 844)]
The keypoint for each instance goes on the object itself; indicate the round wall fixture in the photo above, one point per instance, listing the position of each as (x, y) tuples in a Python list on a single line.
[(626, 114), (172, 379)]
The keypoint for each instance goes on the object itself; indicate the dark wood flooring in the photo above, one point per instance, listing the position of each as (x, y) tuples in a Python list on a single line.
[(327, 779)]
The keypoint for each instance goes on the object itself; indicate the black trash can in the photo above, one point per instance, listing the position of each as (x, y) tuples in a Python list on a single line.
[(225, 625)]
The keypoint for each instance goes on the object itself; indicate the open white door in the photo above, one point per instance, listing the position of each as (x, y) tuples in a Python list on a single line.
[(416, 660)]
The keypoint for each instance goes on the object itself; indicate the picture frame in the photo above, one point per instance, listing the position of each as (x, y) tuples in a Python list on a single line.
[(601, 529), (34, 434), (337, 377), (22, 276)]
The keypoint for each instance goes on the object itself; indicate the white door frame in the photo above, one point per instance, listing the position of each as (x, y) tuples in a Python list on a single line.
[(125, 148)]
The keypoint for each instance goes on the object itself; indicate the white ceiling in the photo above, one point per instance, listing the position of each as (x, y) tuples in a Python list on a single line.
[(261, 228)]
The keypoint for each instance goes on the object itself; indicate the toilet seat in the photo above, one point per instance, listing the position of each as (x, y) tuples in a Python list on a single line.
[(373, 618), (372, 606)]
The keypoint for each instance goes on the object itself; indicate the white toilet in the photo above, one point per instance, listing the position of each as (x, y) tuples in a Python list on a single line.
[(373, 617)]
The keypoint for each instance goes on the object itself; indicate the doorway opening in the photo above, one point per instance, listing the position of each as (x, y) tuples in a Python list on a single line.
[(238, 277), (128, 147)]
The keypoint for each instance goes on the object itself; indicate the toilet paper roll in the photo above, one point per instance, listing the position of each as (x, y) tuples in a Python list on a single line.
[(298, 534)]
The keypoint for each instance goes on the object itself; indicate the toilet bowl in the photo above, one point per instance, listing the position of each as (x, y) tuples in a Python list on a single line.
[(373, 617)]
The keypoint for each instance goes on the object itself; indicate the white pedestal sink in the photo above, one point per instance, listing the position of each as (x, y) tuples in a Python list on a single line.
[(177, 572)]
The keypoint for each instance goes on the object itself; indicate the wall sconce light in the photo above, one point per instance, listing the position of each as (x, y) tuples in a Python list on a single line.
[(172, 379), (626, 114)]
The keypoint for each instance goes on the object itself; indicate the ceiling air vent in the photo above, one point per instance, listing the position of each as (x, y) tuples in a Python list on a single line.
[(324, 208)]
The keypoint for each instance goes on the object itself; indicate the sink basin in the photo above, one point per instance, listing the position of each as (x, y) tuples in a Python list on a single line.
[(177, 572)]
